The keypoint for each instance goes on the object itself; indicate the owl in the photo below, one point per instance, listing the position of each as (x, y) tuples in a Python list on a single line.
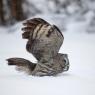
[(44, 42)]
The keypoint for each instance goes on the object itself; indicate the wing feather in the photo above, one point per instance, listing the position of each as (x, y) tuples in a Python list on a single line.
[(44, 39)]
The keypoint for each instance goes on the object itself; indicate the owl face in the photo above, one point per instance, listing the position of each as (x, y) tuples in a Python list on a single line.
[(66, 62)]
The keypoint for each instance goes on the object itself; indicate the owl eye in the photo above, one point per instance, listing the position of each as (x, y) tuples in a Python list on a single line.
[(64, 60)]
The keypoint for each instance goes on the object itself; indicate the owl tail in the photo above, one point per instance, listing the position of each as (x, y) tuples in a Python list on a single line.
[(22, 64)]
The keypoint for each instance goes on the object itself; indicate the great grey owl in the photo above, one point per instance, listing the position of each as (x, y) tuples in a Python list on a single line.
[(44, 42)]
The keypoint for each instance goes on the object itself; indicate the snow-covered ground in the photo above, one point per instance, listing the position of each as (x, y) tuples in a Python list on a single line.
[(79, 80)]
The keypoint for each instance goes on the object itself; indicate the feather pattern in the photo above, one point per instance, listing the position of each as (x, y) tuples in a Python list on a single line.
[(44, 42)]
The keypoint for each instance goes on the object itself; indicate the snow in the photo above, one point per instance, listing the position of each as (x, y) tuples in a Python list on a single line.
[(79, 80)]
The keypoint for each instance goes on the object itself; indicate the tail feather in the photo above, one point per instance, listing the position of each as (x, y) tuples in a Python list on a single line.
[(22, 64)]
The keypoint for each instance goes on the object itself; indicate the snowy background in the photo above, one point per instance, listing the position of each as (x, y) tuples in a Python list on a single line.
[(78, 30)]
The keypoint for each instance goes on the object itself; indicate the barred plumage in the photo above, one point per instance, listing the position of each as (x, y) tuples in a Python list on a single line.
[(44, 42)]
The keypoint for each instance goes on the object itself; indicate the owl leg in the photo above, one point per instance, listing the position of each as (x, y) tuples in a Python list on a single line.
[(22, 64)]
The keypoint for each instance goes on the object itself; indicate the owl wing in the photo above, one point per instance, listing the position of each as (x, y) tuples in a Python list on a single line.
[(44, 39), (30, 25)]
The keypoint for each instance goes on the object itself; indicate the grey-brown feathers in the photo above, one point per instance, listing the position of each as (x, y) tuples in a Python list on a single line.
[(44, 39), (44, 42)]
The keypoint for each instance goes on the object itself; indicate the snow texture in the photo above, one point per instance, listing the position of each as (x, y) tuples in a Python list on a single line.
[(79, 80), (78, 44)]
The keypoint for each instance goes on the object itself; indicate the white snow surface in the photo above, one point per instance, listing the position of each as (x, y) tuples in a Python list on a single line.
[(79, 80)]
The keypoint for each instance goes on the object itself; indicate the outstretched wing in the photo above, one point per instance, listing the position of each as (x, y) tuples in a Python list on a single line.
[(44, 39), (31, 25)]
